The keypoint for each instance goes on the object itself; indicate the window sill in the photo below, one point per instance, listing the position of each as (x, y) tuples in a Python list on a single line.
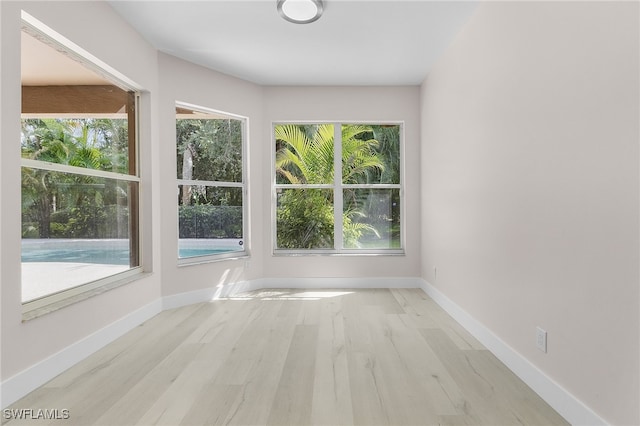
[(201, 260), (331, 253), (32, 310)]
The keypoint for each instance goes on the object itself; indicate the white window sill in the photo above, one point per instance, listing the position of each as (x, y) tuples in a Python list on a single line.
[(346, 253), (200, 260), (37, 308)]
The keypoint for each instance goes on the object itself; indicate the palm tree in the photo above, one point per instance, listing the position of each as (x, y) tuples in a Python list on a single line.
[(305, 155), (76, 142), (44, 140)]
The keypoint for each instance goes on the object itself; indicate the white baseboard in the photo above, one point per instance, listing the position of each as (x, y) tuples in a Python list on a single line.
[(341, 283), (38, 374), (569, 407), (208, 294)]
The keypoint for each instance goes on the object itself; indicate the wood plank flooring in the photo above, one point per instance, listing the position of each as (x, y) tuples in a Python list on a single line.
[(294, 357)]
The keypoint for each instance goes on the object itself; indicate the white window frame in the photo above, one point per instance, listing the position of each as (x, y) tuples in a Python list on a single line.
[(196, 260), (337, 186), (54, 301)]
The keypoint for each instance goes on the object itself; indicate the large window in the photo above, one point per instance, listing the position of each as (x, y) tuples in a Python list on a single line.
[(211, 191), (337, 188), (79, 181)]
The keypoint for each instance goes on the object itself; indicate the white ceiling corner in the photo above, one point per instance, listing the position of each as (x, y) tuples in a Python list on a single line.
[(355, 42)]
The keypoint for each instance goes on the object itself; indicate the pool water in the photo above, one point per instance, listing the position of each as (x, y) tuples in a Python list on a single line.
[(104, 256), (185, 252), (77, 255)]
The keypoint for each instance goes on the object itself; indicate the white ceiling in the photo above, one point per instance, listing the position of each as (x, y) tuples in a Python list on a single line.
[(355, 42)]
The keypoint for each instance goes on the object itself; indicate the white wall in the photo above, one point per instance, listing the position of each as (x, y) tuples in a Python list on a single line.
[(356, 104), (530, 188), (97, 29), (185, 82), (182, 81)]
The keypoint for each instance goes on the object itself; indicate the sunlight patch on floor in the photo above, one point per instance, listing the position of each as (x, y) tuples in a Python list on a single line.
[(289, 295)]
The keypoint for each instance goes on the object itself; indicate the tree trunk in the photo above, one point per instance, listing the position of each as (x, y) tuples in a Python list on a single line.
[(187, 173), (44, 207)]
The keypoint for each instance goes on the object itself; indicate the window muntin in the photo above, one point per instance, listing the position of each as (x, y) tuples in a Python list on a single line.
[(211, 191), (79, 181), (356, 211)]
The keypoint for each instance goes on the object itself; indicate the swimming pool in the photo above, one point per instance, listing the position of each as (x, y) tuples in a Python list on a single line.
[(77, 255), (195, 247), (184, 252), (54, 265), (111, 251)]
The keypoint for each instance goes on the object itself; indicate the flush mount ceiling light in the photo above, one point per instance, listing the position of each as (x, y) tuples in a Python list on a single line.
[(300, 11)]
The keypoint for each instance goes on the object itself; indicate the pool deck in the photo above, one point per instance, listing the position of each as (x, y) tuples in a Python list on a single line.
[(44, 278)]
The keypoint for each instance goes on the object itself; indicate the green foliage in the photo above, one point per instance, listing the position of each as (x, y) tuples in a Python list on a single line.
[(359, 154), (382, 208), (207, 221), (66, 205), (389, 151), (216, 147), (89, 143), (353, 231), (305, 219), (209, 150), (305, 155), (302, 158)]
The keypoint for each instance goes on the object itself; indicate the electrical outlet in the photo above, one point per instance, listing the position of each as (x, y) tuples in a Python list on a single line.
[(541, 339)]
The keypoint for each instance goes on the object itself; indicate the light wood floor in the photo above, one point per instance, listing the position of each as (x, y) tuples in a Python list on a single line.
[(323, 357)]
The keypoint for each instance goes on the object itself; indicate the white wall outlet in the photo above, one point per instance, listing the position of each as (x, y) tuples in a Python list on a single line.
[(541, 339)]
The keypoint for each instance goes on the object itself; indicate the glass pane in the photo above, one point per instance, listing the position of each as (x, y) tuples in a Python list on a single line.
[(304, 153), (83, 122), (370, 154), (75, 229), (208, 147), (90, 143), (371, 218), (209, 220), (305, 219)]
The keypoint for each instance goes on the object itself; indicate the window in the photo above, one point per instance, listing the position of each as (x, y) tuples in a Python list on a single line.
[(337, 188), (79, 178), (211, 191)]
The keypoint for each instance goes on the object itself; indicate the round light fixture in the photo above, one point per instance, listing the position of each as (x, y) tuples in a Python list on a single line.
[(300, 11)]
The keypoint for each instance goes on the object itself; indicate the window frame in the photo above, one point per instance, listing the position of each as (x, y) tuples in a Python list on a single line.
[(337, 186), (53, 301), (246, 251)]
